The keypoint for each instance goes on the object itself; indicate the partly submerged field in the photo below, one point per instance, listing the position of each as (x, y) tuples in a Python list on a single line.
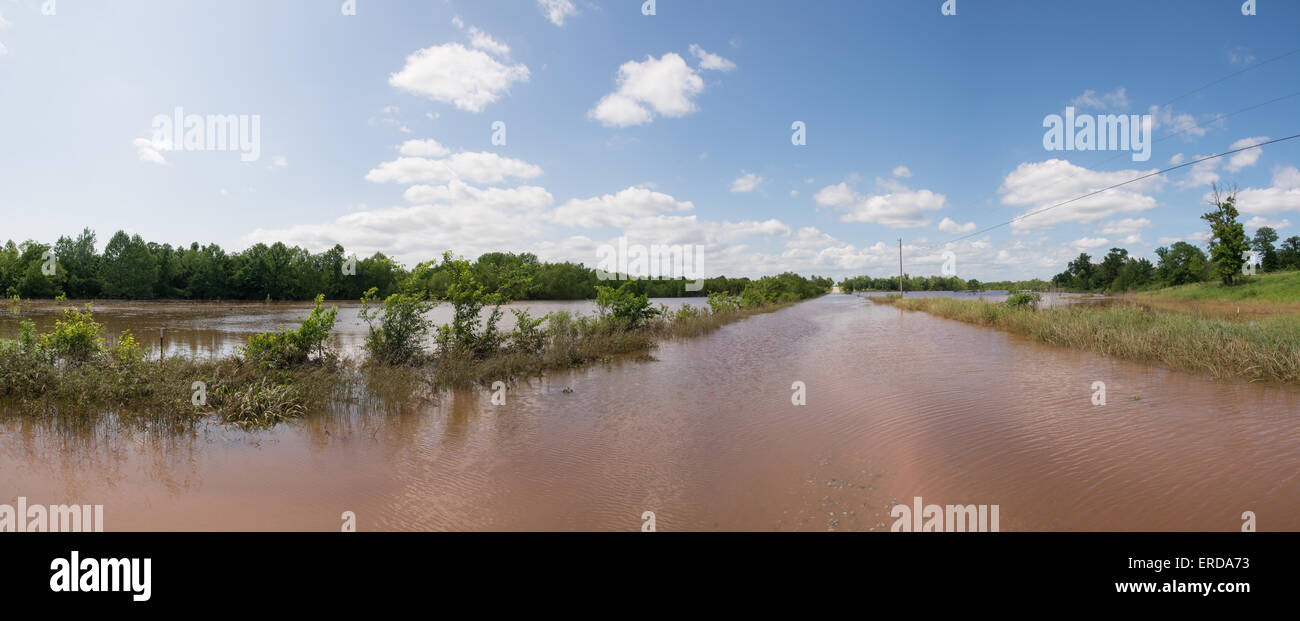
[(74, 369), (1184, 337)]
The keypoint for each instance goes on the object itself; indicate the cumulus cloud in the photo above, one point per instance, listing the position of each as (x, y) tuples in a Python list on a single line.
[(1175, 123), (746, 182), (1245, 158), (1114, 100), (451, 73), (423, 148), (948, 225), (1126, 226), (474, 167), (557, 10), (899, 207), (1090, 242), (664, 85), (1039, 185), (1260, 222), (711, 62), (1283, 195), (902, 171), (619, 209), (150, 150), (483, 41)]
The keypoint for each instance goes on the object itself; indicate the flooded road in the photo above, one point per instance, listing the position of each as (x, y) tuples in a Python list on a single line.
[(899, 404)]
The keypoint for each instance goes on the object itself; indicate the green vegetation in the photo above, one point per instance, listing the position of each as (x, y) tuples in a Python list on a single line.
[(131, 268), (937, 283), (1267, 349), (282, 375)]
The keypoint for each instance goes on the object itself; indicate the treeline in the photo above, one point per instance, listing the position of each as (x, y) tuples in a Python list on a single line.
[(131, 268), (1178, 264), (937, 283)]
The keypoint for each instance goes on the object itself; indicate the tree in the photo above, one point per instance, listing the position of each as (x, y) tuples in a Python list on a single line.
[(80, 274), (1263, 246), (1228, 237), (1289, 257), (1181, 263), (128, 269), (1110, 266)]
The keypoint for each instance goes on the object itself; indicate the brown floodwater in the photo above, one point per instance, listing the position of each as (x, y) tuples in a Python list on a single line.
[(899, 404)]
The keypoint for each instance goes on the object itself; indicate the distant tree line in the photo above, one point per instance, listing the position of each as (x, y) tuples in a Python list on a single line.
[(937, 283), (1182, 263), (131, 268)]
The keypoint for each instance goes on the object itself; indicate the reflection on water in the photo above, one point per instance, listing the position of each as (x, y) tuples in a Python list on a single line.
[(899, 404), (202, 329)]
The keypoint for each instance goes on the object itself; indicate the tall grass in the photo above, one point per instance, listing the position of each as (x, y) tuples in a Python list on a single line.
[(1267, 349)]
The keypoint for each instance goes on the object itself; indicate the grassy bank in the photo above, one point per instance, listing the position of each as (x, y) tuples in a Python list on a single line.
[(1264, 295), (1267, 349), (283, 375)]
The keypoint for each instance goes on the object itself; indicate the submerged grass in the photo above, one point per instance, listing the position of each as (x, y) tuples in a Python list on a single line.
[(1267, 349), (72, 371)]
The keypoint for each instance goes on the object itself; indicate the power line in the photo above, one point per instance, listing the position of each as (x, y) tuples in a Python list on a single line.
[(1229, 76), (1162, 138), (1117, 185)]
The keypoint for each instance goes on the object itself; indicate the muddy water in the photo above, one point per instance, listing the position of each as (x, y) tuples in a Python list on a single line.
[(203, 329), (899, 405)]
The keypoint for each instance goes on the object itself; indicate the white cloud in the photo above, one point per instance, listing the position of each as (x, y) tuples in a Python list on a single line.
[(746, 182), (503, 199), (619, 209), (1245, 158), (557, 10), (948, 225), (483, 41), (423, 148), (1176, 123), (1201, 173), (279, 161), (664, 85), (902, 171), (1283, 195), (1259, 222), (711, 61), (1114, 100), (901, 207), (794, 193), (1176, 159), (1127, 226), (451, 73), (1200, 236), (474, 167), (1090, 242), (1039, 185), (151, 150)]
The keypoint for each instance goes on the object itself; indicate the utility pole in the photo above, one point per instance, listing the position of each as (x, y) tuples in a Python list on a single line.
[(900, 267)]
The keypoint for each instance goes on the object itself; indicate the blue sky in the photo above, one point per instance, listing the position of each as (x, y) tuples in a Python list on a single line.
[(668, 129)]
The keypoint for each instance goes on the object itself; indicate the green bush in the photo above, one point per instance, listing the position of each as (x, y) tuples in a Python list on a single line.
[(722, 303), (528, 336), (468, 332), (288, 348), (1023, 300), (75, 338), (623, 307), (398, 329)]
